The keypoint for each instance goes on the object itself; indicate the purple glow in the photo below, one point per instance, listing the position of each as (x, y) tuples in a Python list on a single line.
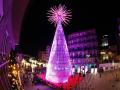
[(6, 41), (59, 65), (6, 35), (59, 13), (1, 9)]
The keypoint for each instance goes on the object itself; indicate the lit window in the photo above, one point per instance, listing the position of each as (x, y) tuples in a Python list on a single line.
[(105, 44), (119, 34)]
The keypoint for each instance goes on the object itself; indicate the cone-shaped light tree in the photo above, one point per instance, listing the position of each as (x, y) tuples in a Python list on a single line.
[(59, 65)]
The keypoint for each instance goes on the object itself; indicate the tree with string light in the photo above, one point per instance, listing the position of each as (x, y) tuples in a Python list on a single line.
[(59, 65)]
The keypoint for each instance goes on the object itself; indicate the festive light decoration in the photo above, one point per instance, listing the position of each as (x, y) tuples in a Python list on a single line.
[(59, 13), (14, 73), (13, 77), (59, 65)]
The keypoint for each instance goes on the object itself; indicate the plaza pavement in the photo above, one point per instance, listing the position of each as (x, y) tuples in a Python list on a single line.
[(109, 80), (30, 86)]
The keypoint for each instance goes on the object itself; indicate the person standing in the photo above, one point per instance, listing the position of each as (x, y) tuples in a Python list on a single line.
[(100, 75)]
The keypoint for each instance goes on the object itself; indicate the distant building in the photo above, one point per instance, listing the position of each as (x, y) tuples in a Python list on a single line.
[(83, 47), (44, 55), (105, 41), (107, 51), (104, 48)]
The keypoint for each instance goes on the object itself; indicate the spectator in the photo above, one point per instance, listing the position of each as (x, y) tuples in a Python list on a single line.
[(100, 75)]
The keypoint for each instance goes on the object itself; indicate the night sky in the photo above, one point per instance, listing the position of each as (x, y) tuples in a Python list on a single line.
[(37, 32)]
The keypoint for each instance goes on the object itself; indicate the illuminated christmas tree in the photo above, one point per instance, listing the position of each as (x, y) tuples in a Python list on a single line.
[(59, 65)]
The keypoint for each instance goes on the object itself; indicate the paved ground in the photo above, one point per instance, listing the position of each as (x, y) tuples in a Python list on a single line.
[(107, 81), (41, 87), (29, 86)]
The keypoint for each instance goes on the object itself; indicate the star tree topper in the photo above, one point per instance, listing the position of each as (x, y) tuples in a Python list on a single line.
[(59, 13)]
